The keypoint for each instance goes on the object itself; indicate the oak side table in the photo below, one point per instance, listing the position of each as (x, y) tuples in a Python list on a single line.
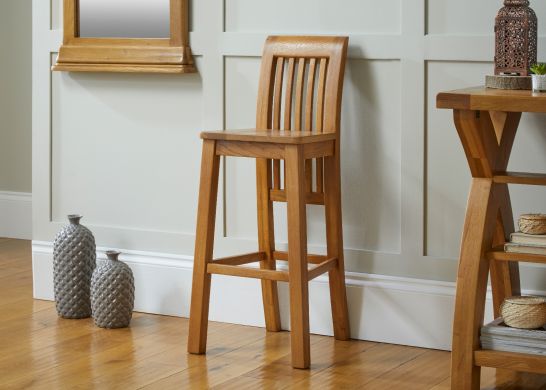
[(487, 121)]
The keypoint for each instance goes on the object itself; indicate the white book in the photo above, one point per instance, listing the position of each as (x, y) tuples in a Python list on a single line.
[(499, 337), (525, 248), (532, 239), (513, 348)]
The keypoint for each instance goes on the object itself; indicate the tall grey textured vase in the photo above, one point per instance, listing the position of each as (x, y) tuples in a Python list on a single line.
[(112, 293), (74, 259)]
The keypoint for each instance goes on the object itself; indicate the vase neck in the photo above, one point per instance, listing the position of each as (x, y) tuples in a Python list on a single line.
[(74, 219), (516, 3), (112, 255)]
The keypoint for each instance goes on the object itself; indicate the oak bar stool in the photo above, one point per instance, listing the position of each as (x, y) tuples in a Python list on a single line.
[(307, 73)]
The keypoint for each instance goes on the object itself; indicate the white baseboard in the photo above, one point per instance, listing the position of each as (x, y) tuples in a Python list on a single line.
[(16, 215), (382, 308)]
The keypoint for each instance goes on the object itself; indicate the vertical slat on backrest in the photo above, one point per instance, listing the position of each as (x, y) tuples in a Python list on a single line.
[(288, 95), (319, 121), (279, 72), (289, 90), (277, 100), (320, 174), (299, 94), (309, 95), (308, 126), (277, 174)]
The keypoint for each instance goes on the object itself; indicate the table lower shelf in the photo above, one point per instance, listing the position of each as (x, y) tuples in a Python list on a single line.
[(510, 361)]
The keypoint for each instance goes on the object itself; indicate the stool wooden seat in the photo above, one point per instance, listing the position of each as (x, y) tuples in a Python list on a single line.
[(296, 145)]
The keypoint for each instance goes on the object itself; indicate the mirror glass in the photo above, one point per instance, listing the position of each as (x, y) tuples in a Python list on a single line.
[(124, 18)]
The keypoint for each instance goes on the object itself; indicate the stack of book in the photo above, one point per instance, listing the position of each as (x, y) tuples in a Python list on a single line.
[(526, 243), (499, 337)]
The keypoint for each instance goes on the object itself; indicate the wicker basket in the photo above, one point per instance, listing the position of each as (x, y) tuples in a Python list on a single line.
[(524, 312), (532, 223)]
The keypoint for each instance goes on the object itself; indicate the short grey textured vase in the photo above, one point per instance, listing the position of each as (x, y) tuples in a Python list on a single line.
[(74, 259), (112, 293)]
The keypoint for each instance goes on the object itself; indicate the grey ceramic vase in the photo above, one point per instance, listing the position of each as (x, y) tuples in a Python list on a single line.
[(112, 293), (74, 260)]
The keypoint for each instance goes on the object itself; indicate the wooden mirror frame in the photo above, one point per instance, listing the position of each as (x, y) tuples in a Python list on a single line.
[(168, 55)]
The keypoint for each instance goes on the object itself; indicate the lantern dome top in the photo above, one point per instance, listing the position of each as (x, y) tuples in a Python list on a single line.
[(516, 3), (516, 9)]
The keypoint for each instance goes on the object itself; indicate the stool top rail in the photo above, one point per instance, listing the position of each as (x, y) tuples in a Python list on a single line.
[(487, 99)]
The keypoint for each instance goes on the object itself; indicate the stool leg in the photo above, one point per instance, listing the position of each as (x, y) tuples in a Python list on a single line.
[(206, 216), (297, 257), (334, 239), (266, 239)]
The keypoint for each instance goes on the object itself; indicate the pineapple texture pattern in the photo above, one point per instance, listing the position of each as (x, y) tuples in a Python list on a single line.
[(74, 259), (112, 293)]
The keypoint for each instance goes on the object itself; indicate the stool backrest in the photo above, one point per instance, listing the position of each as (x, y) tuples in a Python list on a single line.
[(301, 83)]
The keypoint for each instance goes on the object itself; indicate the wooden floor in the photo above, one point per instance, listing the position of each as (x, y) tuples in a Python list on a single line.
[(39, 350)]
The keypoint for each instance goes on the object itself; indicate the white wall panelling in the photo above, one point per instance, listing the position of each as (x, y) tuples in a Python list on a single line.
[(15, 96), (124, 151), (446, 157), (56, 17), (16, 215), (130, 132), (310, 16)]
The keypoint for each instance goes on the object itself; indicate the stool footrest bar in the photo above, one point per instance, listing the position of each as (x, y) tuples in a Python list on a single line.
[(321, 268), (245, 272), (313, 259), (232, 266), (241, 259), (310, 197)]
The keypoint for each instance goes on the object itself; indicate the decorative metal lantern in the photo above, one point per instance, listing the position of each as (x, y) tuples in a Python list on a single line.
[(515, 38)]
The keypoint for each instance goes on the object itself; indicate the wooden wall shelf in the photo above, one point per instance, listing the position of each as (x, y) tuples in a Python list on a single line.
[(124, 68), (159, 55)]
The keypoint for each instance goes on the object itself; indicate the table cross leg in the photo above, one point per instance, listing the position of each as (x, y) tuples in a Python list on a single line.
[(487, 139)]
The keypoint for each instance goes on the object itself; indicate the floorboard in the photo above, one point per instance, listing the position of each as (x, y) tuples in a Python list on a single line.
[(39, 350)]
